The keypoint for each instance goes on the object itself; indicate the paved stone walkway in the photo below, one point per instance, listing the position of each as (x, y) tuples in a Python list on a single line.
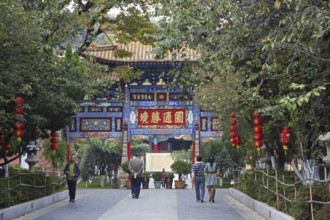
[(169, 204)]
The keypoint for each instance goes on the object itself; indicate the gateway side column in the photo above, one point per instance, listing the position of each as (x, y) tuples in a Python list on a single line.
[(196, 143)]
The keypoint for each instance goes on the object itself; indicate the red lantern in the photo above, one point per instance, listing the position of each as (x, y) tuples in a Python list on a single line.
[(232, 115), (233, 141), (19, 133), (285, 138), (19, 126), (256, 114), (232, 128), (257, 136), (53, 146), (257, 144), (257, 121), (19, 100), (53, 134), (19, 110), (233, 134), (257, 129), (53, 140)]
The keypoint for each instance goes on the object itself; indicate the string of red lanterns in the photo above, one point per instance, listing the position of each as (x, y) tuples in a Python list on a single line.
[(285, 138), (19, 119), (53, 141), (235, 138), (257, 122)]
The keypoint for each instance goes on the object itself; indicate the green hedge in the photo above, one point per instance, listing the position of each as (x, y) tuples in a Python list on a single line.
[(24, 186)]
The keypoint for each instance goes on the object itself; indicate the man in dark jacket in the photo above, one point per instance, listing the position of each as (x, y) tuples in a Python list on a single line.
[(135, 166), (72, 172)]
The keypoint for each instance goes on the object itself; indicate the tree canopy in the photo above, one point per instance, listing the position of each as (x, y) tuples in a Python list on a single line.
[(42, 44), (256, 55)]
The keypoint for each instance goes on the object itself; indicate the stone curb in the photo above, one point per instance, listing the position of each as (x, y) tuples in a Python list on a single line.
[(261, 208), (27, 207)]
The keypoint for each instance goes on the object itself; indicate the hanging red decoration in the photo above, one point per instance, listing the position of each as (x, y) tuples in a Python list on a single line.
[(233, 134), (258, 144), (53, 133), (232, 115), (18, 126), (232, 128), (257, 130), (19, 101), (256, 114), (257, 121), (257, 136), (19, 118), (235, 139), (285, 138), (53, 141)]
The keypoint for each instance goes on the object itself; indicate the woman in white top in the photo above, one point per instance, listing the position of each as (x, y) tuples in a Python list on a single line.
[(211, 181)]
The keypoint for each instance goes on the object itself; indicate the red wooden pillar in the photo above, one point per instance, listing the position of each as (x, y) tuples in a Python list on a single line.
[(155, 145)]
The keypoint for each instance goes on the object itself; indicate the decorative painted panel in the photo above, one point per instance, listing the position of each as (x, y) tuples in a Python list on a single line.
[(142, 97), (73, 126), (114, 109), (204, 123), (161, 96), (215, 124), (95, 124), (95, 109), (118, 124)]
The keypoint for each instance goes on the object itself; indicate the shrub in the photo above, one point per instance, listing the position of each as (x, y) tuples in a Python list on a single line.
[(157, 176), (125, 167), (181, 168)]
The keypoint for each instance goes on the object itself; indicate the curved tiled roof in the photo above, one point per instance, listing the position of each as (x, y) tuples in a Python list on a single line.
[(140, 53)]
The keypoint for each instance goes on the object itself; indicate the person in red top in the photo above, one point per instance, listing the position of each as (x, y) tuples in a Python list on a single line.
[(163, 178)]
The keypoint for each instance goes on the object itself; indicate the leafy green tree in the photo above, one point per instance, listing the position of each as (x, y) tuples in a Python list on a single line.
[(42, 43), (256, 55), (100, 152)]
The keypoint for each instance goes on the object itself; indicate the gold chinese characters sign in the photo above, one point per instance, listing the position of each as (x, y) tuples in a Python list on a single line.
[(148, 117)]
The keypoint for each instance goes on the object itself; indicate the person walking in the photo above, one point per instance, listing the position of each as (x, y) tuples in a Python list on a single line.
[(198, 179), (163, 178), (211, 181), (72, 172), (135, 167)]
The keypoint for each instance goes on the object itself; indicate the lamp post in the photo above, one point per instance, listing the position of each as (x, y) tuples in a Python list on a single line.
[(33, 149)]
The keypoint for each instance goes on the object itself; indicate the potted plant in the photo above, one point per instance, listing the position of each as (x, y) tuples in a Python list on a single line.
[(145, 180), (169, 180), (124, 166), (157, 176), (181, 168)]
